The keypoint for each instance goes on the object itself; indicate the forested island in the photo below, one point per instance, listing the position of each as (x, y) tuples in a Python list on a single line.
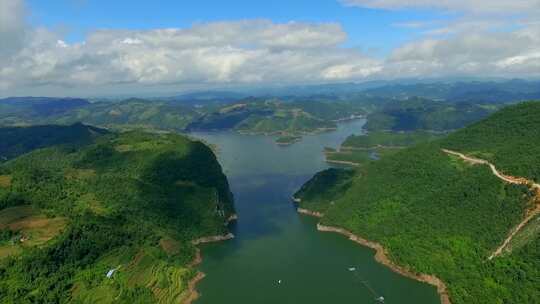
[(435, 213), (91, 216)]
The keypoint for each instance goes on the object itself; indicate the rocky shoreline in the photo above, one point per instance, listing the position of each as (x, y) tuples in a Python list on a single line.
[(310, 213), (342, 162), (193, 294), (382, 257)]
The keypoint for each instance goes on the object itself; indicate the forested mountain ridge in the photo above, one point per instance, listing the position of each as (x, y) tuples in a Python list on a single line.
[(288, 116), (514, 90), (508, 138), (108, 221), (426, 114), (437, 214), (19, 140)]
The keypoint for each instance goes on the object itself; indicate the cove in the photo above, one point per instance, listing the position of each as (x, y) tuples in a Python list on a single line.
[(273, 242)]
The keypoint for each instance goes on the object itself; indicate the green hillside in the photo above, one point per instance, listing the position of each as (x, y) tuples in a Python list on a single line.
[(249, 115), (364, 148), (508, 138), (126, 203), (437, 214), (389, 139), (426, 114), (271, 116), (19, 140), (131, 114)]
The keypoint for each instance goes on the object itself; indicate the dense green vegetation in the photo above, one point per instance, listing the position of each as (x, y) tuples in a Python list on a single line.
[(361, 149), (253, 115), (271, 116), (132, 203), (436, 214), (120, 115), (463, 91), (389, 139), (36, 110), (132, 114), (287, 139), (249, 115), (508, 138), (334, 182), (425, 114), (358, 157), (17, 141)]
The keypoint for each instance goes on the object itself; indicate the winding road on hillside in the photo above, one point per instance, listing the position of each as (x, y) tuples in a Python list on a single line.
[(531, 213)]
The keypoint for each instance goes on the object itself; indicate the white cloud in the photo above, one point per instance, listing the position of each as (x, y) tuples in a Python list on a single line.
[(471, 6), (241, 52), (12, 26), (515, 53), (251, 52)]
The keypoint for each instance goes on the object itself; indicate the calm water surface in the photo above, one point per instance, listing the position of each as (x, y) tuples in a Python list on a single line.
[(273, 242)]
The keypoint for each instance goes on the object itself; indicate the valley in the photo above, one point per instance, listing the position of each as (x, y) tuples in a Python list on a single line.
[(133, 211)]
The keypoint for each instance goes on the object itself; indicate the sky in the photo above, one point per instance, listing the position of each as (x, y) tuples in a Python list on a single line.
[(96, 47)]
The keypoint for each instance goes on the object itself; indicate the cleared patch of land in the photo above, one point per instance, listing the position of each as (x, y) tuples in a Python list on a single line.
[(5, 181), (31, 227)]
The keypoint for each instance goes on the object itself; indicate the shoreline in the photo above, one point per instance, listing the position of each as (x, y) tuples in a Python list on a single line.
[(310, 213), (382, 257), (192, 293), (342, 162)]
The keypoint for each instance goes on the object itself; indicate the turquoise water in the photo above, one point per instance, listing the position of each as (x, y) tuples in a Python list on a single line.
[(273, 242)]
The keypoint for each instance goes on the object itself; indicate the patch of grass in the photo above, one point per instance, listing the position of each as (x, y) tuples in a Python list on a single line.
[(89, 202), (80, 173), (33, 228), (525, 236), (170, 246), (14, 214), (5, 181), (9, 250)]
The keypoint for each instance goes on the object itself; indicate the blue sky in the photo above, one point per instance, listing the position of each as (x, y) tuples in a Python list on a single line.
[(80, 47), (372, 30)]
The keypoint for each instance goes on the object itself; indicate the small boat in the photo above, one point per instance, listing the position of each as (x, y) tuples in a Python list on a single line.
[(279, 281), (352, 268), (380, 299)]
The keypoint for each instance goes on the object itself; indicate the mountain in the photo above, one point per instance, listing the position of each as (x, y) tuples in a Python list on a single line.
[(426, 114), (460, 91), (21, 110), (250, 115), (132, 113), (273, 116), (20, 140), (438, 212), (110, 220)]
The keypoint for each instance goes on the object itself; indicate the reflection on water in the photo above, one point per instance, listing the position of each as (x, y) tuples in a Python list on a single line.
[(274, 244)]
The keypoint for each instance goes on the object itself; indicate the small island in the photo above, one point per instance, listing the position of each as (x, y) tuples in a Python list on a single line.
[(287, 140)]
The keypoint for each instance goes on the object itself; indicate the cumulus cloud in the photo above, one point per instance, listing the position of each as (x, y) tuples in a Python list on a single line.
[(257, 52), (515, 53), (12, 26), (236, 52), (485, 38)]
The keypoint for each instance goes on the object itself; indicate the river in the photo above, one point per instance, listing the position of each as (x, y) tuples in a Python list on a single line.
[(275, 244)]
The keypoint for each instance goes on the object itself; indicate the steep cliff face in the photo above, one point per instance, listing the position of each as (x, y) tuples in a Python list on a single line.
[(130, 205)]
